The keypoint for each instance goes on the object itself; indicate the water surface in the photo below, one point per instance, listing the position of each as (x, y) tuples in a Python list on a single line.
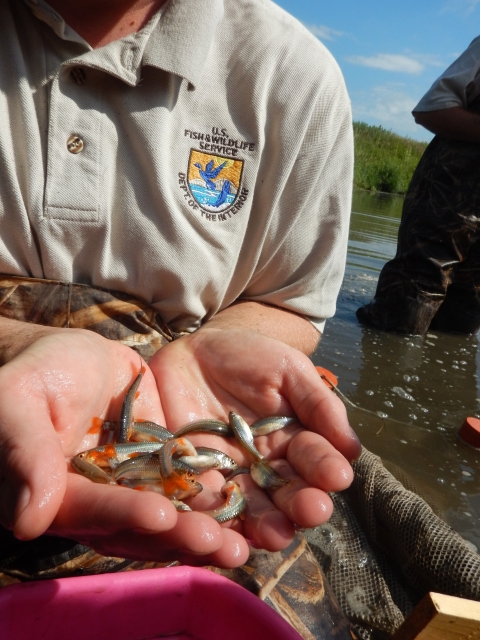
[(412, 393)]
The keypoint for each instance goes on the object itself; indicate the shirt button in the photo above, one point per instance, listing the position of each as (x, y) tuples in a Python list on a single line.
[(78, 75), (75, 144)]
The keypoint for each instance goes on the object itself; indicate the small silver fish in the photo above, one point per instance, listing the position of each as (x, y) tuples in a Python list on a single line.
[(96, 463), (180, 506), (178, 446), (268, 425), (125, 422), (208, 425), (243, 434), (265, 476), (150, 432), (91, 471), (234, 504), (147, 468), (173, 488), (217, 459), (149, 473), (141, 431)]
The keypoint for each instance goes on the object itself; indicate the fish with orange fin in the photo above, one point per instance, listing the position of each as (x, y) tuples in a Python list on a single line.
[(234, 505)]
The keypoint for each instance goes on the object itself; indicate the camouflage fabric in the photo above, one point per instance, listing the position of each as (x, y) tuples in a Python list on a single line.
[(114, 315), (434, 279)]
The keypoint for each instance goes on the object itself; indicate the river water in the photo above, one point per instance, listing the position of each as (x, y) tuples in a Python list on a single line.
[(412, 393)]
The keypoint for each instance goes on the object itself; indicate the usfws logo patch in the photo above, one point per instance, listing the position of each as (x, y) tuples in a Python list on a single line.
[(213, 184)]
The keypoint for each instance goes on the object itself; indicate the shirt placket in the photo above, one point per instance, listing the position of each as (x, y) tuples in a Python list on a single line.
[(73, 165)]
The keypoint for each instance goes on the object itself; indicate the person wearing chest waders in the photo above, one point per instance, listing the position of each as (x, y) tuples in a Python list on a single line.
[(191, 161), (434, 280)]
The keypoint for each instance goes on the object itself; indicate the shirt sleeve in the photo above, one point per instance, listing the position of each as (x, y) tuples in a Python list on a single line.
[(458, 86), (302, 263)]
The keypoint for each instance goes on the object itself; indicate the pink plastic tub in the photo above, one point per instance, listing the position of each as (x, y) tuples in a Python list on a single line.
[(178, 603)]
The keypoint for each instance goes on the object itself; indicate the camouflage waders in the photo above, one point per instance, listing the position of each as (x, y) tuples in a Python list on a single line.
[(434, 279)]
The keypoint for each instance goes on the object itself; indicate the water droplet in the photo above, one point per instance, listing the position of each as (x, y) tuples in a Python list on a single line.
[(441, 480), (380, 414), (412, 416), (402, 393), (407, 378), (370, 393), (388, 404), (403, 441)]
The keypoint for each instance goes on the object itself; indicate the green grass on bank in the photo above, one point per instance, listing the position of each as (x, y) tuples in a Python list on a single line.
[(383, 160)]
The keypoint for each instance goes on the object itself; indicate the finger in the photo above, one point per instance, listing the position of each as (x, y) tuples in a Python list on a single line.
[(264, 524), (318, 408), (233, 550), (319, 463), (195, 539), (103, 509), (305, 506), (233, 553), (32, 464), (195, 534)]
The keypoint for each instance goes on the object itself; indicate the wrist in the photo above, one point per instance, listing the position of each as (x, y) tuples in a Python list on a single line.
[(15, 336), (270, 321)]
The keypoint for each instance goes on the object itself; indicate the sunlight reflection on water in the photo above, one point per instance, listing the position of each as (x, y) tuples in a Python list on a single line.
[(420, 388)]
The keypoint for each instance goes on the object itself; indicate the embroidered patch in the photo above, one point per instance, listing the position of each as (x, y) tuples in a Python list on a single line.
[(214, 184)]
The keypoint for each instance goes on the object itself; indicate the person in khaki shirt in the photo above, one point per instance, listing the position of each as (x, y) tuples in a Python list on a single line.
[(249, 356)]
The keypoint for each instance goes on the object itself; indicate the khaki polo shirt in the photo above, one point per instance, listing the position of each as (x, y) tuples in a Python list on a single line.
[(205, 159), (458, 86)]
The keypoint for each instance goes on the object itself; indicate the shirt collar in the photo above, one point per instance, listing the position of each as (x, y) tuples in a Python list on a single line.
[(45, 13), (179, 42)]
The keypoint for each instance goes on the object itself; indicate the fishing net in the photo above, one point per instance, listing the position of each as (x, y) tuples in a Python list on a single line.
[(383, 549)]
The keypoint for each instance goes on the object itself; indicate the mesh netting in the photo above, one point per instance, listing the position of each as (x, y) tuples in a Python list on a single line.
[(384, 548)]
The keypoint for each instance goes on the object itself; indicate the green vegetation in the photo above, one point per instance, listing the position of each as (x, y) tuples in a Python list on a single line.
[(383, 160)]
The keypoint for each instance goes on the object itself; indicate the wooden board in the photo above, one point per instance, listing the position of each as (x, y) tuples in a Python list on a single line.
[(440, 617)]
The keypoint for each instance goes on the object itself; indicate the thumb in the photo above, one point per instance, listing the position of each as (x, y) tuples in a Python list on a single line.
[(33, 475)]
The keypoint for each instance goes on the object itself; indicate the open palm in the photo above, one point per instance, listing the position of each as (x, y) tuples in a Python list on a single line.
[(213, 372)]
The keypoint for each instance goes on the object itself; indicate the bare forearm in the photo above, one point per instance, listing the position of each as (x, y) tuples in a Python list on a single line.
[(16, 336), (274, 322), (456, 123)]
